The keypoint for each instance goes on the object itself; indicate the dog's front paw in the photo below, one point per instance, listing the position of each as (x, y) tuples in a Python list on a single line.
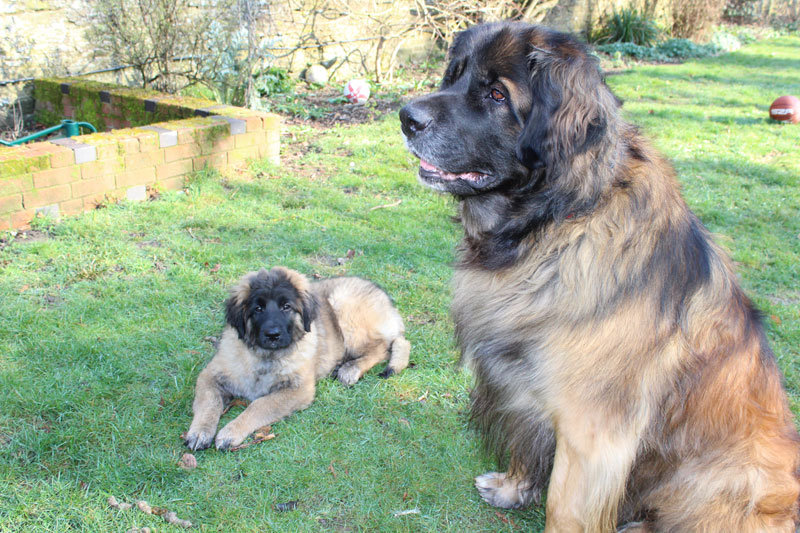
[(500, 490), (349, 373), (198, 439), (228, 437)]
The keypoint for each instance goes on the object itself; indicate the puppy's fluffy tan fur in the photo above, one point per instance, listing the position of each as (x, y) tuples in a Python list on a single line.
[(351, 324)]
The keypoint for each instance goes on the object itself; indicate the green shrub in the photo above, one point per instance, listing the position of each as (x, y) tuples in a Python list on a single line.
[(668, 50), (627, 26), (272, 81)]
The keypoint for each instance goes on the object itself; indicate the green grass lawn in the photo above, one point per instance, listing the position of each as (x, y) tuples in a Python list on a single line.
[(106, 318)]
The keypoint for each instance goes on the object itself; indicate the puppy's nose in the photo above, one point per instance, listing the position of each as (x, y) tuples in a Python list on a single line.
[(414, 119), (272, 333)]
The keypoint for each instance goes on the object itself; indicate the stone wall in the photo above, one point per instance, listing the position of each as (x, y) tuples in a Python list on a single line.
[(170, 138)]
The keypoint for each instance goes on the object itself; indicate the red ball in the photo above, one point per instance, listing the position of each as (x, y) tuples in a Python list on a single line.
[(785, 109)]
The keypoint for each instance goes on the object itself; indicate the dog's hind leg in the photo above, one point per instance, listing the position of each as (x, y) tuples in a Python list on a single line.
[(374, 353), (399, 352)]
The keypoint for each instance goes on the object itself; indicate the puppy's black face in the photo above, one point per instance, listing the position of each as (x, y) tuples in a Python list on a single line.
[(466, 133), (270, 314)]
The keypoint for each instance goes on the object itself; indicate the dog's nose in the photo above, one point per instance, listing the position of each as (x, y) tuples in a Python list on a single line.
[(414, 119), (273, 333)]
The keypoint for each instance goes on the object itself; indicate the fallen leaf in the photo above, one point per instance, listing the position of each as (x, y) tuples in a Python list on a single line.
[(501, 516), (260, 435), (215, 268), (330, 467), (351, 254), (405, 421), (188, 461), (776, 319)]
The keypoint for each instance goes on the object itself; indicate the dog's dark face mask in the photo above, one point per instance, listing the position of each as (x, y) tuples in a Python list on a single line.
[(516, 103), (266, 319), (466, 133)]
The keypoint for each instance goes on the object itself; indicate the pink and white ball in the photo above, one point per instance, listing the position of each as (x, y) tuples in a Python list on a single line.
[(356, 91)]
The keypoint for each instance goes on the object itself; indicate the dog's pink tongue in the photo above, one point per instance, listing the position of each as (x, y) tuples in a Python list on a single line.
[(442, 174), (427, 166)]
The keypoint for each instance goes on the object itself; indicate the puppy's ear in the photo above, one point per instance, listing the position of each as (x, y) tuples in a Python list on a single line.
[(310, 309), (235, 316), (567, 114), (236, 305)]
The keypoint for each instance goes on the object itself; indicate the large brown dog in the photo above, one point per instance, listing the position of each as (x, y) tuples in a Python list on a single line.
[(283, 334), (615, 354)]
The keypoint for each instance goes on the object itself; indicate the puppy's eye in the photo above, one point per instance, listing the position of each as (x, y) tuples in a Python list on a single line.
[(496, 95), (258, 309), (286, 308)]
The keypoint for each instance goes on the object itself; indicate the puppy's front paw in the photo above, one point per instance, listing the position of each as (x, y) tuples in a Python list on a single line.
[(500, 490), (198, 439), (228, 437), (349, 373)]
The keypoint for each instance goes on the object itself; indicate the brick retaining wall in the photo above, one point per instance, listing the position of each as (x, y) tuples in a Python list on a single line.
[(67, 176)]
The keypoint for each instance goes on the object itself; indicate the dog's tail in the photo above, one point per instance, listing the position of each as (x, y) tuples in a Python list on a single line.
[(399, 351)]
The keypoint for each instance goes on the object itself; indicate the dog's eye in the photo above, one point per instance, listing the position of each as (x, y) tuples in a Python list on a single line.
[(497, 95), (286, 307), (258, 309)]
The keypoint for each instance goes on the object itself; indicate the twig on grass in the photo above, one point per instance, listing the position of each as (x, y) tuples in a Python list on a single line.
[(384, 206)]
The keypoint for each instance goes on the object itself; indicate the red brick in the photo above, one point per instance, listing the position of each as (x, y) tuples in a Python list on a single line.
[(139, 176), (241, 155), (19, 183), (105, 148), (129, 145), (254, 123), (211, 161), (148, 142), (221, 144), (181, 151), (71, 207), (248, 139), (90, 187), (174, 184), (56, 176), (22, 219), (101, 167), (271, 122), (62, 157), (47, 196), (11, 203), (176, 168), (144, 159)]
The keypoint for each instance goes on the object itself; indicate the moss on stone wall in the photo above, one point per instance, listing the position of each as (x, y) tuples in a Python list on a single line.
[(138, 107)]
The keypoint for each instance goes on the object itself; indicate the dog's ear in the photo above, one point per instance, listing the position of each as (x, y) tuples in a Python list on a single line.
[(235, 316), (567, 115), (310, 309), (236, 305)]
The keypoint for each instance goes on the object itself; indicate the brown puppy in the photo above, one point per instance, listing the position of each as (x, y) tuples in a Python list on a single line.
[(283, 334), (615, 355)]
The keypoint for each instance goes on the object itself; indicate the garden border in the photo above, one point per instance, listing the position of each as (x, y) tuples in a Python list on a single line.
[(163, 139)]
